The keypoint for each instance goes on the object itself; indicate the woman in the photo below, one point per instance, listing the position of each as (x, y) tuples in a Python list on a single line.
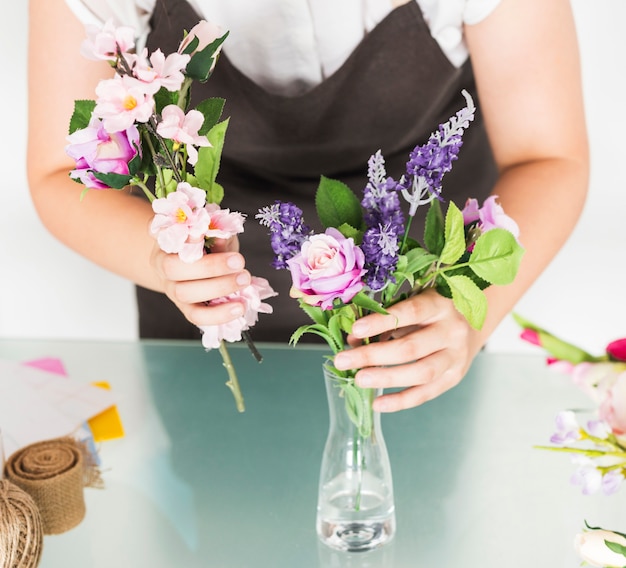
[(314, 89)]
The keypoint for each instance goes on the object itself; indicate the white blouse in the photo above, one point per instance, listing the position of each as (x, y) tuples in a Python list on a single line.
[(289, 46)]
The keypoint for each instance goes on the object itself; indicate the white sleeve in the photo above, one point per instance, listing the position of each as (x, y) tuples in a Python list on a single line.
[(134, 13), (476, 11)]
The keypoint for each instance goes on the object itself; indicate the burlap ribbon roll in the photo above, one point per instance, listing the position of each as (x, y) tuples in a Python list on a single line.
[(21, 531), (54, 473)]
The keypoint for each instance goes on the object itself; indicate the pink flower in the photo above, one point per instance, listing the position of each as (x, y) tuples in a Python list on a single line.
[(107, 42), (183, 128), (328, 267), (159, 71), (531, 336), (251, 297), (489, 216), (223, 223), (617, 349), (206, 32), (96, 150), (613, 408), (181, 221), (122, 101)]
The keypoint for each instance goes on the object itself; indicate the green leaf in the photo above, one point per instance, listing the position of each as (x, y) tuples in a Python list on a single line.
[(337, 205), (434, 235), (350, 232), (418, 259), (316, 329), (354, 403), (163, 98), (81, 115), (211, 109), (616, 547), (364, 301), (468, 299), (496, 256), (341, 322), (114, 181), (318, 315), (208, 163), (200, 65), (454, 246)]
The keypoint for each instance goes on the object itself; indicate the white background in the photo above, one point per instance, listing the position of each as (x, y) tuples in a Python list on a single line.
[(47, 291)]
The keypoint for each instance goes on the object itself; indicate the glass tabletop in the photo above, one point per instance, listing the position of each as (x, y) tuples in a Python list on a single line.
[(194, 483)]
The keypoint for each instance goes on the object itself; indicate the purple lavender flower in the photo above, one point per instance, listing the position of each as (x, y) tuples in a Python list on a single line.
[(287, 230), (611, 482), (429, 162), (384, 221)]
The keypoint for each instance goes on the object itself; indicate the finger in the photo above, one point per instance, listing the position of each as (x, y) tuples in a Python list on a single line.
[(198, 291), (225, 245), (413, 311), (209, 266), (216, 314), (410, 347), (419, 372), (415, 396)]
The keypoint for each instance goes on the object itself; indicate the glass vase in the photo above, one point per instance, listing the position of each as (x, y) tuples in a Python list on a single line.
[(355, 509)]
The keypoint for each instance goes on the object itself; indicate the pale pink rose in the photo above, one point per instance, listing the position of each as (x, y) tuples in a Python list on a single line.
[(206, 32), (329, 266), (107, 42), (489, 216), (181, 221), (223, 223), (613, 408), (183, 128), (121, 102), (252, 298), (96, 150), (591, 547), (596, 379), (159, 71)]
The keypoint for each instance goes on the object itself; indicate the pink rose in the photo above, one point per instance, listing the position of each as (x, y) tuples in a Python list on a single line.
[(252, 297), (617, 349), (206, 32), (328, 267), (489, 216), (613, 408), (96, 150)]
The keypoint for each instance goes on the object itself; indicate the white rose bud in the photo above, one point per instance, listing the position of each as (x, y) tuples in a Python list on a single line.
[(592, 548)]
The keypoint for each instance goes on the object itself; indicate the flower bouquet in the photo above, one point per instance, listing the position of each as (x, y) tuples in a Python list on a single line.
[(367, 260), (364, 262), (599, 448), (141, 132)]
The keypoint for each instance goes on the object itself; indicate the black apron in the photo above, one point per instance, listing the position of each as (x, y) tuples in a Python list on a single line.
[(395, 89)]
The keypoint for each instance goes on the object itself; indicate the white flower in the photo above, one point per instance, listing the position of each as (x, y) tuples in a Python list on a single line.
[(592, 548)]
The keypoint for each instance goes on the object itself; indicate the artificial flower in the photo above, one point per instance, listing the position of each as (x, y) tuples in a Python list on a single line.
[(251, 297), (617, 350), (223, 223), (205, 32), (183, 129), (158, 71), (122, 101), (489, 216), (613, 407), (599, 547), (97, 151), (108, 42), (329, 267)]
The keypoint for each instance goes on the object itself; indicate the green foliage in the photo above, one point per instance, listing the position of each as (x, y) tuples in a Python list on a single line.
[(209, 163), (337, 205), (211, 109), (434, 231), (454, 236), (114, 181), (468, 299), (81, 115), (202, 62), (496, 256)]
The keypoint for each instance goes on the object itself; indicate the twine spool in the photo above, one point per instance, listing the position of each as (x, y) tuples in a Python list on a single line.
[(21, 531), (54, 473)]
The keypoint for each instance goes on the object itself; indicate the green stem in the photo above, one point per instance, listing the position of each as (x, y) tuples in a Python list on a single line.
[(594, 453), (233, 382), (142, 185)]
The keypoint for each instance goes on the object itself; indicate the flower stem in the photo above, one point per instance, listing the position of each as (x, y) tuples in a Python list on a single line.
[(233, 382)]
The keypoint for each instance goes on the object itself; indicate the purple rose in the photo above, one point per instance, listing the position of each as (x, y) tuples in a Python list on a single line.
[(96, 150), (328, 266)]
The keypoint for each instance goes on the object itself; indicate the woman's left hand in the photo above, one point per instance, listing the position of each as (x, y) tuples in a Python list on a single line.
[(424, 345)]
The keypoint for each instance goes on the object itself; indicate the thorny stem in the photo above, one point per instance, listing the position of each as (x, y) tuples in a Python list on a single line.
[(233, 382)]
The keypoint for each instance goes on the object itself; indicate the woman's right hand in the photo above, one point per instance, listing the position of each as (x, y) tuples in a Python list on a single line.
[(192, 285)]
